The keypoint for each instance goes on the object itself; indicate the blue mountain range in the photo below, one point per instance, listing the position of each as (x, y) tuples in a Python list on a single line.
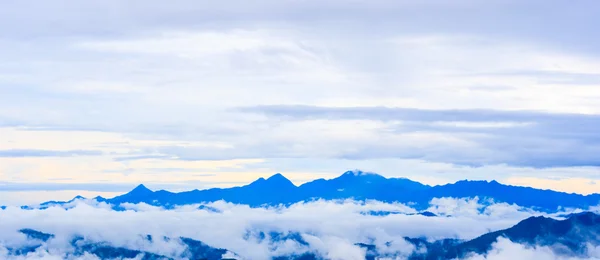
[(358, 185), (566, 236)]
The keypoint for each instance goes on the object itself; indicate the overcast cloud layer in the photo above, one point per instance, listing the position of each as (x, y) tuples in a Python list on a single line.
[(103, 95)]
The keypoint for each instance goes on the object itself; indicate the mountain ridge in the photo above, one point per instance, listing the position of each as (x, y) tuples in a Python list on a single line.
[(568, 237), (358, 185)]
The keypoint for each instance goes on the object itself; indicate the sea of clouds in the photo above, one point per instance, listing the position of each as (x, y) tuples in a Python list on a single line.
[(331, 228)]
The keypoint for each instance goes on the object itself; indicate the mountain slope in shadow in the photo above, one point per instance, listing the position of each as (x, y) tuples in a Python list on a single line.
[(568, 237)]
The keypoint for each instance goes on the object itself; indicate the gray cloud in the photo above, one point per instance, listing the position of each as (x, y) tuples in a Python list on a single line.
[(550, 77), (418, 115), (571, 20), (527, 138)]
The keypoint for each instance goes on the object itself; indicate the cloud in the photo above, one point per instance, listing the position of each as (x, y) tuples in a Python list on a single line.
[(53, 186), (522, 138), (416, 115), (155, 81), (505, 249), (46, 153), (329, 228), (554, 77)]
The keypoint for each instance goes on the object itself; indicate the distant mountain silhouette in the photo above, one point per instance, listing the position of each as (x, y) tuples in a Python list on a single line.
[(547, 200), (137, 195), (358, 185), (56, 203), (279, 190)]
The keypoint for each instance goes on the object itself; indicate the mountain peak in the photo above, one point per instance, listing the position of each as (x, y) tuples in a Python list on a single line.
[(359, 173), (466, 182), (78, 197), (279, 178), (99, 198), (140, 189), (257, 181)]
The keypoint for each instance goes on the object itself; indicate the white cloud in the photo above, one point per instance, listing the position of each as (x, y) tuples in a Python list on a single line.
[(505, 249), (330, 227)]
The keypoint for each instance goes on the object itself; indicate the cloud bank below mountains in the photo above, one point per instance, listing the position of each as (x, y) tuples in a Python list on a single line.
[(330, 228)]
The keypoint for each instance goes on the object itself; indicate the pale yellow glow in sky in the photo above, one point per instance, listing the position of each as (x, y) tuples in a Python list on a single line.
[(194, 173), (575, 185)]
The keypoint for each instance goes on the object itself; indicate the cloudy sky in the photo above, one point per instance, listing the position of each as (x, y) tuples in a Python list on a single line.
[(98, 96)]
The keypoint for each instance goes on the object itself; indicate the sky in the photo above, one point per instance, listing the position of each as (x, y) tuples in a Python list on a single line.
[(99, 96)]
